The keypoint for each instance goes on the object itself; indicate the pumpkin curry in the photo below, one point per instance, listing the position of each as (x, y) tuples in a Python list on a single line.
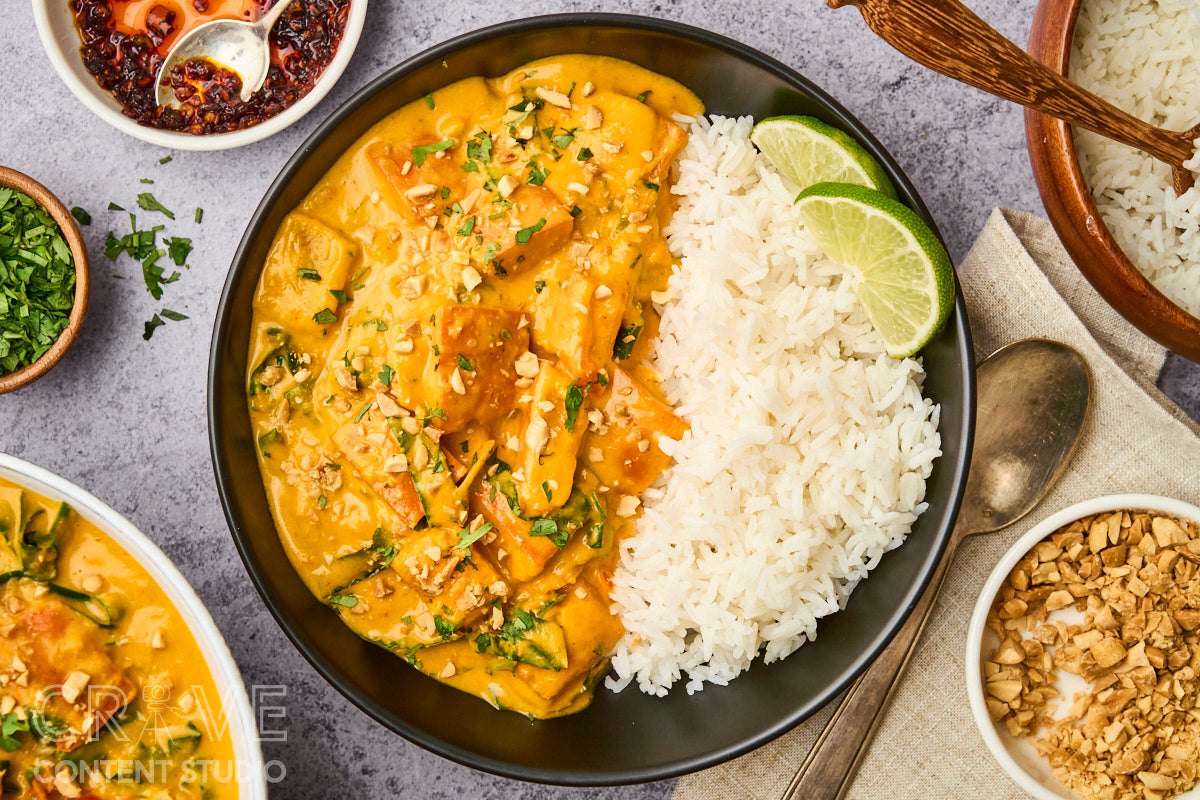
[(104, 694), (446, 381)]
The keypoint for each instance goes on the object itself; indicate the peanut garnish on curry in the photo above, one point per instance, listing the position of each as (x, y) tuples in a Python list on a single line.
[(453, 418), (104, 694)]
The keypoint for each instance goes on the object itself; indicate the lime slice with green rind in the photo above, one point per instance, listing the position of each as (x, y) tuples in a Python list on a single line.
[(905, 278), (807, 152)]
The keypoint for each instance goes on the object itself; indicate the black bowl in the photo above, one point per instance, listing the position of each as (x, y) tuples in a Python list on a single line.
[(626, 737)]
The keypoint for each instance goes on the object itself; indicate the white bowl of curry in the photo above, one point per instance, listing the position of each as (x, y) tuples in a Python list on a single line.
[(422, 424), (113, 677)]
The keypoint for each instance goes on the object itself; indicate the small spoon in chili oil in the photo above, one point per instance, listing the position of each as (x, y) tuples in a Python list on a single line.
[(236, 45)]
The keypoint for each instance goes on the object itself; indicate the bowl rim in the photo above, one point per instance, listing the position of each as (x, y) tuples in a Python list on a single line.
[(104, 106), (12, 179), (252, 783), (225, 477), (991, 587), (1068, 201)]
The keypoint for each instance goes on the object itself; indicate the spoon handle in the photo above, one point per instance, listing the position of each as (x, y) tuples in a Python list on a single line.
[(830, 767), (267, 21), (949, 38)]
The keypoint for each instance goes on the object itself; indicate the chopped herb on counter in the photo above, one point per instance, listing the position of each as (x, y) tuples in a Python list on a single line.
[(154, 323), (165, 160), (146, 200), (199, 215), (81, 216), (37, 281), (179, 249), (174, 316)]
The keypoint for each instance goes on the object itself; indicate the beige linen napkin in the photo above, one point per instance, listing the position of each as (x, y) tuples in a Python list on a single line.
[(1018, 282)]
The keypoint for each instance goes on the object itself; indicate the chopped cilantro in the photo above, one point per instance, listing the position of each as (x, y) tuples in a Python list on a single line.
[(428, 100), (650, 185), (641, 98), (546, 491), (37, 281), (537, 176), (322, 502), (174, 316), (10, 725), (420, 152), (572, 402), (339, 295), (344, 600), (584, 154), (362, 413), (325, 316), (179, 249), (146, 200), (309, 274), (464, 363), (576, 211), (470, 166), (467, 227), (480, 147), (538, 286), (626, 339), (525, 234), (385, 375), (154, 323), (81, 216), (468, 538)]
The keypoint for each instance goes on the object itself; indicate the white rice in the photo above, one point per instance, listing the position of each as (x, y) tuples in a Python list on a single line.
[(809, 447), (1142, 56)]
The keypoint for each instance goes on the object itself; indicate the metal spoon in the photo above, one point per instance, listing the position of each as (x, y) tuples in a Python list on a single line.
[(1033, 400), (235, 44)]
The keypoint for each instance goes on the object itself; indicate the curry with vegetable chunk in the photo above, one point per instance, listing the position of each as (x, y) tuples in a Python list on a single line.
[(446, 382), (104, 694)]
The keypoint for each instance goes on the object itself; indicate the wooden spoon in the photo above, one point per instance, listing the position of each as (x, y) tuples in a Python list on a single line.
[(949, 38)]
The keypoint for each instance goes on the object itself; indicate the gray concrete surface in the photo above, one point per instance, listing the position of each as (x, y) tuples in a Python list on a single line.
[(125, 417)]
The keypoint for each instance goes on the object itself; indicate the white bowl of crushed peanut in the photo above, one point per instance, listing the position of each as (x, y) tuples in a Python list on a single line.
[(1083, 653)]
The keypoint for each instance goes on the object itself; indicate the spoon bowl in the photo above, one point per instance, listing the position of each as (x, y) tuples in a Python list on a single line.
[(237, 45)]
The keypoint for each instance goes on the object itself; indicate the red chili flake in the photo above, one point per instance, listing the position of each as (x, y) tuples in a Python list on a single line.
[(303, 43)]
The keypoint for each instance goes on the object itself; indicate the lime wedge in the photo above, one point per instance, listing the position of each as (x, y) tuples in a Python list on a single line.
[(807, 152), (905, 279)]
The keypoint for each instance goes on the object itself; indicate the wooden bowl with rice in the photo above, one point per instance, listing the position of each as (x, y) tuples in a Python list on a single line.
[(1108, 203)]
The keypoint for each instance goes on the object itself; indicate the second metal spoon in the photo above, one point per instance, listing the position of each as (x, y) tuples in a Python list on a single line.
[(1033, 400)]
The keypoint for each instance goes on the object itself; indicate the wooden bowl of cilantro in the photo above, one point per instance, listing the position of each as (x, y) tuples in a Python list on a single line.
[(43, 279)]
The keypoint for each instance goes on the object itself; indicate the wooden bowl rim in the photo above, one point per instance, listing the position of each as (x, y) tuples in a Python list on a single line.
[(1076, 217), (13, 179)]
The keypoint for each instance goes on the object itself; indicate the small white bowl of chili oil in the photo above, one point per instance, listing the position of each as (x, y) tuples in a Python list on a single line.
[(108, 53)]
